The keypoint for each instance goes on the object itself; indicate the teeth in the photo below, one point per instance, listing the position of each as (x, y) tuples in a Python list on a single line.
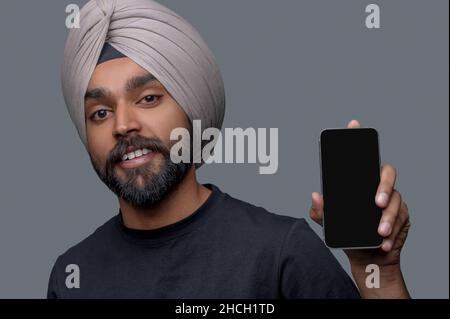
[(136, 153)]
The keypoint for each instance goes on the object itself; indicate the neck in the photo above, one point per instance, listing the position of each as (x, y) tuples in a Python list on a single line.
[(184, 199)]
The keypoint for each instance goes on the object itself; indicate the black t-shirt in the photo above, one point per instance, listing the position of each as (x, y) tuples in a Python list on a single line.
[(226, 249)]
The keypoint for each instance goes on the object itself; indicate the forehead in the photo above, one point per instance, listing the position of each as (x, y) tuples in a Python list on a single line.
[(115, 73)]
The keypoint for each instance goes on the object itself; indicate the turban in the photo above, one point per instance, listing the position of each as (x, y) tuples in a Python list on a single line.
[(157, 39)]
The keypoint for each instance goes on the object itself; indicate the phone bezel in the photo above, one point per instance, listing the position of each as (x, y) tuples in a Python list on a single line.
[(321, 183)]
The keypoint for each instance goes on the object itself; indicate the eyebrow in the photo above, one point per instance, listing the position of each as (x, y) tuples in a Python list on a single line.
[(132, 84), (139, 81), (97, 93)]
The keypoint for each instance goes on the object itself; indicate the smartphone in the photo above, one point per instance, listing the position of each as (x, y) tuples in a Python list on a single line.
[(350, 175)]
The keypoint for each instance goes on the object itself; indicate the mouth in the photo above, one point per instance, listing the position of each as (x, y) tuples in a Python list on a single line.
[(136, 157)]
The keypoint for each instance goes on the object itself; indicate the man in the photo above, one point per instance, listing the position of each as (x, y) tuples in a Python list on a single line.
[(132, 73)]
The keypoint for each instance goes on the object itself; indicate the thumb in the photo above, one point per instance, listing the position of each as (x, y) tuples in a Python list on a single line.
[(316, 211), (354, 124)]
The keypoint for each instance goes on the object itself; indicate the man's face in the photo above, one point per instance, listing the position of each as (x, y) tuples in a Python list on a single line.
[(129, 116)]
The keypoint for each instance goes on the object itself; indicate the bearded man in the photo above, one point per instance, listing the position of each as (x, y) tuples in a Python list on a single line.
[(132, 73)]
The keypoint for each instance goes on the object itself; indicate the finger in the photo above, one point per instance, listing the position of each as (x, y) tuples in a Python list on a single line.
[(386, 186), (353, 124), (390, 214), (402, 220), (316, 210)]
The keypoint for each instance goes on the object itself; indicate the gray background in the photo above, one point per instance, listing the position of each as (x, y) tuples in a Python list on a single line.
[(300, 66)]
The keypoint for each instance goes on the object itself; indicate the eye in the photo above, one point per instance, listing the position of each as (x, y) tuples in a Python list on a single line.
[(99, 115), (149, 99)]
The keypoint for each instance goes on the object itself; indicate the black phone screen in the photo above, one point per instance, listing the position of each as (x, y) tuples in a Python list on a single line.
[(350, 168)]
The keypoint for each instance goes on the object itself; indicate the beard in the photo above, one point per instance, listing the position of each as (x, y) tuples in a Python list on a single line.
[(146, 185)]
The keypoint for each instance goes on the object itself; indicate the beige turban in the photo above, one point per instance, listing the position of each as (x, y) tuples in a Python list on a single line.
[(157, 39)]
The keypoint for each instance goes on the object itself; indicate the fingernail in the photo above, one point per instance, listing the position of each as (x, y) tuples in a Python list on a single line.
[(385, 228), (387, 245), (382, 199)]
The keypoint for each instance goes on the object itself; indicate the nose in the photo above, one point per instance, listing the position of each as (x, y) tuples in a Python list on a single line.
[(126, 121)]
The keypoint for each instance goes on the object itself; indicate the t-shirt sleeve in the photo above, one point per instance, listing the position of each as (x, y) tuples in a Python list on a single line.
[(308, 269), (52, 290)]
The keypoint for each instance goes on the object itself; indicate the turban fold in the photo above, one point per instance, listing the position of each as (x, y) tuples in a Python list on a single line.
[(157, 39)]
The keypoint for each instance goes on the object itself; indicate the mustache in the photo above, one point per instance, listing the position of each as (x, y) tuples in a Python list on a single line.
[(153, 144)]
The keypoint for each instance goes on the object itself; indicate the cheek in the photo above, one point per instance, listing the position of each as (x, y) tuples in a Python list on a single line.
[(97, 144), (169, 117)]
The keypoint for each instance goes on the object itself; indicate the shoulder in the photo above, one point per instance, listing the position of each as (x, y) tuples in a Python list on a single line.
[(80, 254), (255, 219), (245, 210), (306, 267), (91, 245)]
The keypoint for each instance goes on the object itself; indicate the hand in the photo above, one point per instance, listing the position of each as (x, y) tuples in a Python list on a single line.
[(393, 227)]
